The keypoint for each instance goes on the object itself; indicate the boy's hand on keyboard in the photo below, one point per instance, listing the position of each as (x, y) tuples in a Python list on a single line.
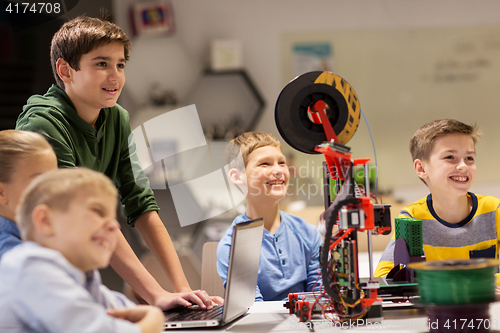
[(217, 300), (197, 297)]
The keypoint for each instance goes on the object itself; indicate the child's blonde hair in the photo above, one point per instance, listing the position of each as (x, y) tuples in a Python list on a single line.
[(16, 145), (245, 144), (423, 141), (57, 189)]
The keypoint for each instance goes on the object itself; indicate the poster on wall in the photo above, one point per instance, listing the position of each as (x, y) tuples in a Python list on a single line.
[(152, 18), (308, 57)]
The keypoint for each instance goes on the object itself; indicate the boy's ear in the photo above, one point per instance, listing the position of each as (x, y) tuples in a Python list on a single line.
[(235, 176), (420, 168), (42, 220), (3, 194), (63, 70)]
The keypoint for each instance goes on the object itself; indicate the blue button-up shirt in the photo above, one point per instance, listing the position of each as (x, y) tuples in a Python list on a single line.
[(9, 235), (289, 258), (41, 291)]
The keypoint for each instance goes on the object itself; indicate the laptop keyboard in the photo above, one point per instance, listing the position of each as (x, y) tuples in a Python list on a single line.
[(194, 313)]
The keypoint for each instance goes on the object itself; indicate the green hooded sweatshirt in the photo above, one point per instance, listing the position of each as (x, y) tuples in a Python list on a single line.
[(76, 143)]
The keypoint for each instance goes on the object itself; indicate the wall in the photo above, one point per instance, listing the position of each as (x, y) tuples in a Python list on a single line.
[(24, 56), (261, 25)]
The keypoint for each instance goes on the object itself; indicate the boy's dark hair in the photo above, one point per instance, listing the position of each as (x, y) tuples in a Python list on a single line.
[(245, 144), (80, 36)]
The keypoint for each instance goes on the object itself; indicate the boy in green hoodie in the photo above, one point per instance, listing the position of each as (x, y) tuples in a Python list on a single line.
[(81, 120)]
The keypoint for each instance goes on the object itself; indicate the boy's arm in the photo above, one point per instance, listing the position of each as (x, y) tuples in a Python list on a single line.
[(158, 240), (497, 219), (48, 298), (141, 210), (223, 250), (149, 318), (127, 265), (258, 295), (386, 262)]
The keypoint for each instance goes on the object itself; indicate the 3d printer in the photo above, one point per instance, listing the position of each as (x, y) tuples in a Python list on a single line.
[(319, 112)]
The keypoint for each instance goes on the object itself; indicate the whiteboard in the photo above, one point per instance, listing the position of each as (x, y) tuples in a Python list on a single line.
[(405, 78)]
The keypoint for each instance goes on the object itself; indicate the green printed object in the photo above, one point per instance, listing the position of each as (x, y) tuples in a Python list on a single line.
[(411, 231)]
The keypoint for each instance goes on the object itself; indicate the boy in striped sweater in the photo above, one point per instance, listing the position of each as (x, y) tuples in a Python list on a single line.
[(456, 223)]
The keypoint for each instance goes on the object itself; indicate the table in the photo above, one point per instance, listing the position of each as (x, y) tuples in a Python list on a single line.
[(273, 317)]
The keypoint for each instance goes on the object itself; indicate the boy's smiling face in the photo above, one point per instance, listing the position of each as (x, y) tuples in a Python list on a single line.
[(87, 232), (100, 79), (451, 168), (267, 174)]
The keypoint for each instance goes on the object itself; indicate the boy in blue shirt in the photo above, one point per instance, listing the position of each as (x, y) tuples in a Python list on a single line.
[(50, 282), (289, 260)]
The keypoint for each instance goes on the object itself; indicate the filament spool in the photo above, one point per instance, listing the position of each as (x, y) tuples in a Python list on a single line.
[(457, 293), (456, 281), (293, 119)]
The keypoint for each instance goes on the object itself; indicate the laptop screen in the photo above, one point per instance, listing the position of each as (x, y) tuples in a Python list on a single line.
[(243, 268)]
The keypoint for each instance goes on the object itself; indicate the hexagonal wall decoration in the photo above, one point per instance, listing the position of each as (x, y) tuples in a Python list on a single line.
[(228, 103)]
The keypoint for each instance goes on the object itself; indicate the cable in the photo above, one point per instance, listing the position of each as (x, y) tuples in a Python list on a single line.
[(374, 153), (344, 235)]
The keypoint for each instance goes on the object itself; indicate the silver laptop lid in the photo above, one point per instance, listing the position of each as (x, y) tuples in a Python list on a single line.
[(243, 268)]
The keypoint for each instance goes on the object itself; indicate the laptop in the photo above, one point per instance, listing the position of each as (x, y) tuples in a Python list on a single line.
[(241, 282)]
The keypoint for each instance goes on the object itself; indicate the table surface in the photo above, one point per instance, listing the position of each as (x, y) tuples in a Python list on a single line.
[(274, 317)]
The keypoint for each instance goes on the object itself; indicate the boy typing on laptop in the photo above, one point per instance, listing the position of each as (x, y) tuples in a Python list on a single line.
[(80, 118), (50, 282)]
